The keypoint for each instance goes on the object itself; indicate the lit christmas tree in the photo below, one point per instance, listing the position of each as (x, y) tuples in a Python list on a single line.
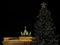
[(44, 28)]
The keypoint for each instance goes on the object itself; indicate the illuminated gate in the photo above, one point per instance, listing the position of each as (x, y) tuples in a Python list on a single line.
[(24, 39)]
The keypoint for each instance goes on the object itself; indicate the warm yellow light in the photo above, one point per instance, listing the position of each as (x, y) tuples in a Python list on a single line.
[(18, 40), (21, 39), (25, 40), (25, 37)]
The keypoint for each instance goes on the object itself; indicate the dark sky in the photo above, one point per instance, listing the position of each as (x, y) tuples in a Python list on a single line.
[(21, 13)]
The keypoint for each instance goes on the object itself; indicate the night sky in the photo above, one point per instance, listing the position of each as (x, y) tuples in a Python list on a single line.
[(23, 13)]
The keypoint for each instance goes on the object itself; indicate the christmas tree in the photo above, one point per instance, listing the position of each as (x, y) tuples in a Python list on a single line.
[(44, 28)]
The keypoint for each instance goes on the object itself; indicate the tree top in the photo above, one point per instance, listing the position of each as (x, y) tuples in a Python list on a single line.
[(43, 5)]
